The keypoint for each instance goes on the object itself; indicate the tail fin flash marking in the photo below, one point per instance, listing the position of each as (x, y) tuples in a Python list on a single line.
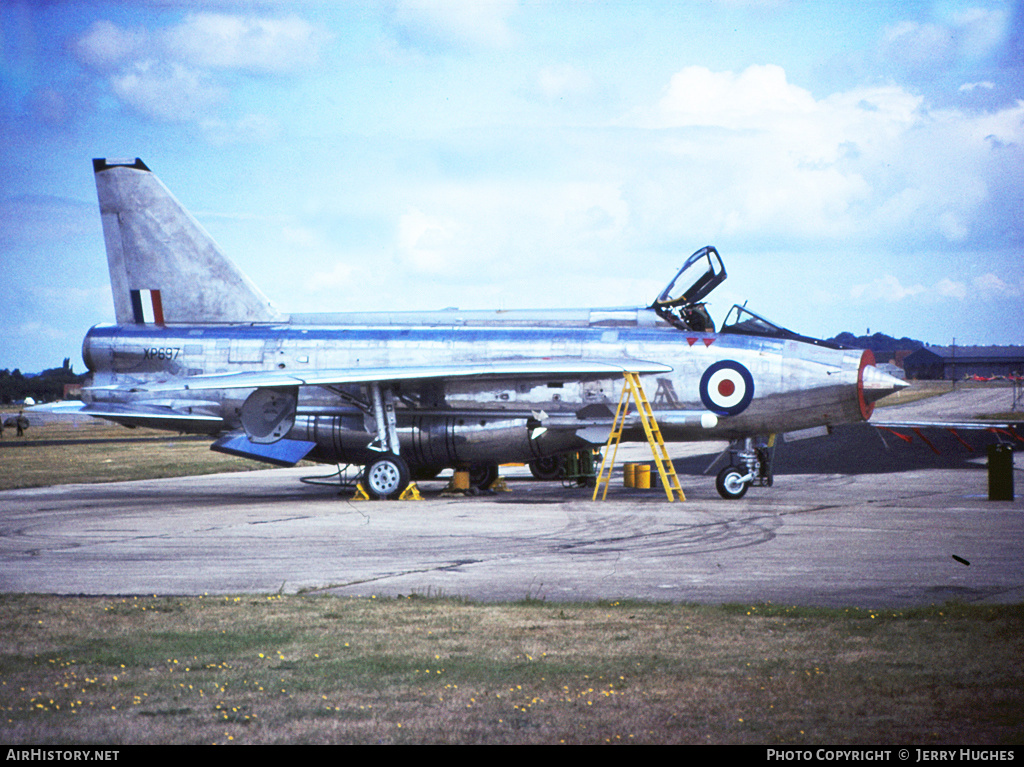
[(147, 307), (158, 307), (153, 241)]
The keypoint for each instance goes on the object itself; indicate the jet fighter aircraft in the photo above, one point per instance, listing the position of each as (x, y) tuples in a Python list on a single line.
[(198, 348)]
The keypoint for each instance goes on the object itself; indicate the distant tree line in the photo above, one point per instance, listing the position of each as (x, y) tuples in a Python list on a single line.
[(48, 386), (878, 342)]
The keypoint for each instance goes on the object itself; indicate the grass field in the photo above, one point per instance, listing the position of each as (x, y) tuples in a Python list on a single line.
[(917, 391), (97, 451), (318, 669)]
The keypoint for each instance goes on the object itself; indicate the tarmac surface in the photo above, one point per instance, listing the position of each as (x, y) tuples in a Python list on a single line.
[(910, 523)]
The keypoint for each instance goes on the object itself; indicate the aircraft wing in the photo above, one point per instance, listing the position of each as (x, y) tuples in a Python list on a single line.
[(967, 425), (104, 410), (925, 431), (519, 369), (183, 416)]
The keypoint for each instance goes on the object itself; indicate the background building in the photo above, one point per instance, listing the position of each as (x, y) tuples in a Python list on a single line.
[(959, 362)]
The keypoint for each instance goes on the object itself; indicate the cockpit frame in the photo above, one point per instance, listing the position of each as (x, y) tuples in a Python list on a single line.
[(685, 309), (741, 321)]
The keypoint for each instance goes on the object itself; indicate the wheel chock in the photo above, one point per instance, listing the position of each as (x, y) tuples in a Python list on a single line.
[(500, 486), (411, 493)]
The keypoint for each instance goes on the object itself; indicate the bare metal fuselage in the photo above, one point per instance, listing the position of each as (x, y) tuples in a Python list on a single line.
[(444, 421)]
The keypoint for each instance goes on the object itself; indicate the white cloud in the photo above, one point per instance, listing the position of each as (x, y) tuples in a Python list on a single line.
[(248, 129), (760, 154), (918, 47), (754, 99), (221, 41), (106, 46), (980, 31), (951, 227), (987, 287), (309, 245), (174, 74), (991, 286), (585, 210), (951, 288), (459, 22), (921, 49), (36, 329), (509, 230), (167, 91), (761, 102), (985, 85), (340, 275), (428, 243), (887, 288), (72, 297), (751, 155)]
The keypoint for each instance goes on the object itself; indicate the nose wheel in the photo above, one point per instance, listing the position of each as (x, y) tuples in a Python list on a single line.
[(750, 463), (732, 483)]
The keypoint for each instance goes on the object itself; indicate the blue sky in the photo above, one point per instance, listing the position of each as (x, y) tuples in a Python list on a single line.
[(859, 165)]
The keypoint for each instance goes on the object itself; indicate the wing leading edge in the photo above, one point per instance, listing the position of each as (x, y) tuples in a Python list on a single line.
[(524, 369)]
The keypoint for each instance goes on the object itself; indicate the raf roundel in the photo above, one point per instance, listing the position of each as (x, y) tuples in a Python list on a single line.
[(726, 388)]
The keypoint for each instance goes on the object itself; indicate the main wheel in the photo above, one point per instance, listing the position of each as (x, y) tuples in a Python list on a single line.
[(730, 485), (386, 476), (548, 468), (482, 475)]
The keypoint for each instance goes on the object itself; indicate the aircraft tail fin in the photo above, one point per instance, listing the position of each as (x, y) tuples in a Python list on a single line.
[(164, 267)]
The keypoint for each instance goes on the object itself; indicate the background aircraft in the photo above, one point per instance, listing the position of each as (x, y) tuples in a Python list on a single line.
[(198, 348)]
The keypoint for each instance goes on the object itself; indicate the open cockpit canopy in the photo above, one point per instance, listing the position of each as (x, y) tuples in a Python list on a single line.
[(684, 308)]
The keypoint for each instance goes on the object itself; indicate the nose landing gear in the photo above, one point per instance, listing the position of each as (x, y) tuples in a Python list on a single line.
[(750, 464)]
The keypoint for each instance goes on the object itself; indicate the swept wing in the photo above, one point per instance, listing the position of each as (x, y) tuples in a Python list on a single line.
[(514, 369)]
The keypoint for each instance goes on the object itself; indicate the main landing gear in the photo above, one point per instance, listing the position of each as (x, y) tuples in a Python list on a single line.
[(483, 475), (549, 468), (386, 476), (750, 463), (574, 469)]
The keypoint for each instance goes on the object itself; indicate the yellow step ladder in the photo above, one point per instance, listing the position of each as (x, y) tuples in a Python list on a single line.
[(635, 390)]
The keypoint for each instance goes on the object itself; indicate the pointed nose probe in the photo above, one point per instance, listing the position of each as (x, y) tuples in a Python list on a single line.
[(877, 384)]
